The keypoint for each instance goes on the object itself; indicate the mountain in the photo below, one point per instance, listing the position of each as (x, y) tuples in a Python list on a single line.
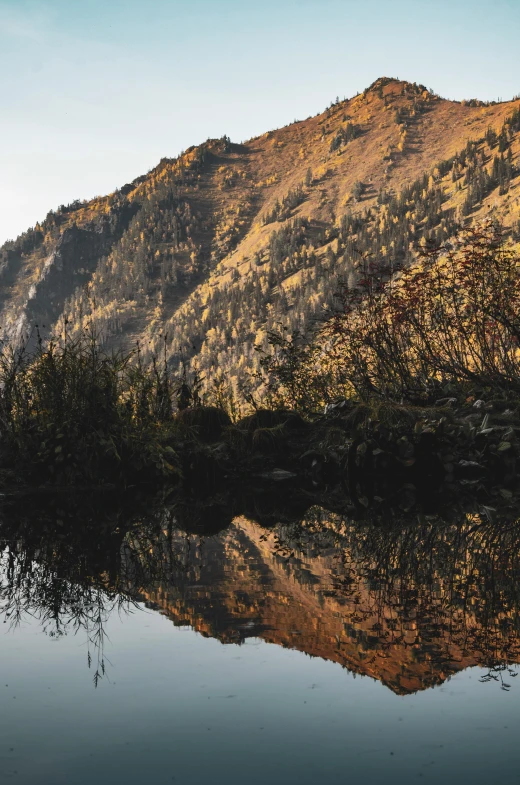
[(411, 630), (198, 259)]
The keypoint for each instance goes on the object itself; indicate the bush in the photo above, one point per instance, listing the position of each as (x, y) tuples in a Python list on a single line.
[(450, 321), (70, 412)]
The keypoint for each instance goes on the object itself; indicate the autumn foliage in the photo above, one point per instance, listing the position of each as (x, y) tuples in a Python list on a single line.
[(449, 323)]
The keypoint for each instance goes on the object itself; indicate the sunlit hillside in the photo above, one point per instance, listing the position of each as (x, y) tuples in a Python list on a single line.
[(207, 252)]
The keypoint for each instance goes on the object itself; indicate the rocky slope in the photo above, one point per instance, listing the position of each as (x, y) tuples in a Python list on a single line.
[(203, 255)]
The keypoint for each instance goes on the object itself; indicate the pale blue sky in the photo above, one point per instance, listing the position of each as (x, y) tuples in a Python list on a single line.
[(95, 92)]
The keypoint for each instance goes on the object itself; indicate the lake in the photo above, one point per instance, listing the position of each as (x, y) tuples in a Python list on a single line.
[(319, 650)]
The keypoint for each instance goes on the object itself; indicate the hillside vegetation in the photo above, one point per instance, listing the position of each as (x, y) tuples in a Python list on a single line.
[(202, 258)]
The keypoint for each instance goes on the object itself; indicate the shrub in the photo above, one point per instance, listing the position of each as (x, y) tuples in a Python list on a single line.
[(70, 412), (451, 320)]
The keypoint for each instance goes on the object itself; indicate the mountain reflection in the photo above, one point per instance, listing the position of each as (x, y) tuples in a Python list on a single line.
[(407, 602)]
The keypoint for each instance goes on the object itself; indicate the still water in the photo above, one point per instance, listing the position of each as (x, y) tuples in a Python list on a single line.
[(317, 651)]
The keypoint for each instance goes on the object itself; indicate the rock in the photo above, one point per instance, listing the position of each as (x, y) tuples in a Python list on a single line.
[(335, 406), (278, 475), (503, 446), (469, 470)]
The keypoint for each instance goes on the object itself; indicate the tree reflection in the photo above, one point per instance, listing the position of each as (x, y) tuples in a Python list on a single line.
[(406, 600), (456, 584)]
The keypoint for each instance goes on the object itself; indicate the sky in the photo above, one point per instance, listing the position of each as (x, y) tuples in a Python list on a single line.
[(93, 93)]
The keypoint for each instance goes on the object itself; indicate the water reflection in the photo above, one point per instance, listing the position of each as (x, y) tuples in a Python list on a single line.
[(408, 600)]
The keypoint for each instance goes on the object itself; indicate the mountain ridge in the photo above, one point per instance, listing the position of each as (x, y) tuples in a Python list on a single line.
[(202, 256)]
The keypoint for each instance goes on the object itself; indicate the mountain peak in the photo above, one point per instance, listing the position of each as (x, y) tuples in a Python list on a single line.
[(390, 84), (216, 247)]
